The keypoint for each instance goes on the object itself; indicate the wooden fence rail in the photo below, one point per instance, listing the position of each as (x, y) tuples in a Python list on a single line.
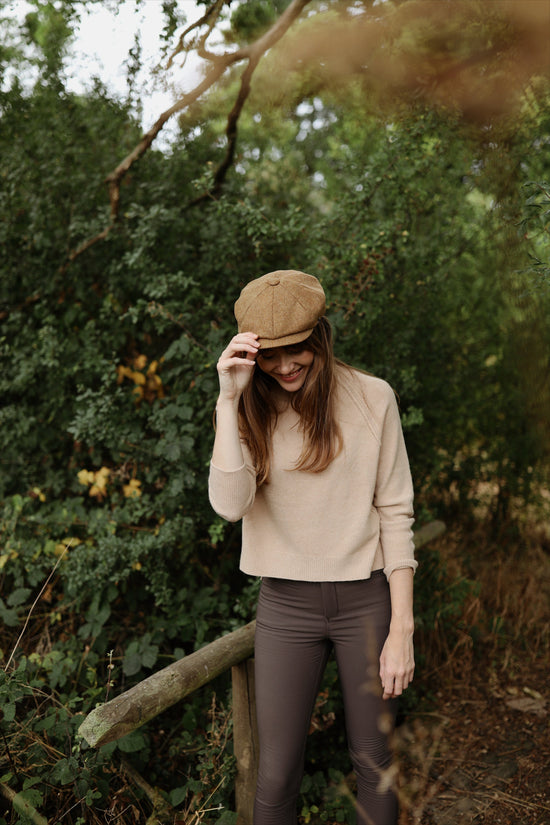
[(148, 698), (161, 690)]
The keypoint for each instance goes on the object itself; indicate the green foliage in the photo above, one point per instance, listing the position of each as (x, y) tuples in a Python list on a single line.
[(39, 724), (251, 19), (49, 29)]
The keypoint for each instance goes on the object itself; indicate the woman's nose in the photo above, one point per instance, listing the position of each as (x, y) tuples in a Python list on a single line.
[(286, 364)]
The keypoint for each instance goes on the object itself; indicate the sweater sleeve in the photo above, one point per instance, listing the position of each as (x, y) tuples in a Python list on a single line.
[(393, 496), (232, 492)]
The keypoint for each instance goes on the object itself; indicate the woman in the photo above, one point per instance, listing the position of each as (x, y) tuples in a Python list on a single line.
[(310, 454)]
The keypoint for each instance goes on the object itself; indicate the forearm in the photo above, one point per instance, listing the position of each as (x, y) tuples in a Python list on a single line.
[(401, 596), (227, 453), (397, 657), (235, 367)]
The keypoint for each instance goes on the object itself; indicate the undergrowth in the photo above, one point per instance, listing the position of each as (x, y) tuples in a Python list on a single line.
[(477, 596)]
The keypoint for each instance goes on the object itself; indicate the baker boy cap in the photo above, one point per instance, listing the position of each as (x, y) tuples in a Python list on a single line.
[(281, 307)]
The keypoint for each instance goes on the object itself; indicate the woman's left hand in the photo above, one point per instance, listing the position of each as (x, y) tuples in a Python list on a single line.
[(397, 662)]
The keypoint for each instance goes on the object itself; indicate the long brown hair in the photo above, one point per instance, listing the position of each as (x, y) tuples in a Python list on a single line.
[(314, 403)]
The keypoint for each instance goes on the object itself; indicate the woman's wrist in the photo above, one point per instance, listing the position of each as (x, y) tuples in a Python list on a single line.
[(404, 625), (226, 402)]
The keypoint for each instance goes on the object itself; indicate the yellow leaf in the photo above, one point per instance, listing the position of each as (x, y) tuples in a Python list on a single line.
[(5, 557), (140, 362), (66, 544), (131, 490), (138, 378), (152, 367), (102, 477), (122, 373), (86, 477), (136, 565), (38, 493), (99, 488)]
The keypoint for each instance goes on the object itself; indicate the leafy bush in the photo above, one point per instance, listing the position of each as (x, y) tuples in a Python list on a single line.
[(108, 385)]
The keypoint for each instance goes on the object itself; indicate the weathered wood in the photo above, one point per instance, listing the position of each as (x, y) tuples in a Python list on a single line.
[(245, 740), (428, 533), (147, 699)]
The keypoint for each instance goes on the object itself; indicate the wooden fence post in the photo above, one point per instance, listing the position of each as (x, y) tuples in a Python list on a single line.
[(245, 740)]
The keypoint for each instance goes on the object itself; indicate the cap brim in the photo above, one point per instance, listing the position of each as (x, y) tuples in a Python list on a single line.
[(286, 340)]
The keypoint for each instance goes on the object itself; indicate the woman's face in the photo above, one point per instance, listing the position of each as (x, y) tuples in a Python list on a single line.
[(289, 365)]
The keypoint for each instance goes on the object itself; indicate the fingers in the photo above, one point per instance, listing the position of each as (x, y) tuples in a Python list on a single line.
[(396, 664), (236, 365), (394, 686), (395, 680), (242, 349)]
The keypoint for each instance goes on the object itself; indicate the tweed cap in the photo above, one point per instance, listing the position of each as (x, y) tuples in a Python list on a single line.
[(281, 307)]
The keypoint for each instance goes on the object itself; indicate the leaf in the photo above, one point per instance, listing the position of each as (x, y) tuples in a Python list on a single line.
[(47, 723), (8, 712), (85, 477), (171, 450), (131, 664), (8, 615), (227, 818), (149, 656), (132, 489), (65, 771), (178, 795), (526, 704), (131, 656), (177, 349), (132, 743), (18, 596)]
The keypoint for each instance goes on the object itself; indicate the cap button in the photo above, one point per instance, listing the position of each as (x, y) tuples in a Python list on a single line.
[(273, 280)]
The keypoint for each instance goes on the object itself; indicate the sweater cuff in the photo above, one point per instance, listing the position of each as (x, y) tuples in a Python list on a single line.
[(219, 469), (231, 492), (400, 565)]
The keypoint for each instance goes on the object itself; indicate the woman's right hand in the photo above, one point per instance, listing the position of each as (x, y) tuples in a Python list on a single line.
[(236, 364)]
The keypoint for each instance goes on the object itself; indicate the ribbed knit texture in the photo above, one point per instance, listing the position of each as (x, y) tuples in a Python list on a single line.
[(339, 525)]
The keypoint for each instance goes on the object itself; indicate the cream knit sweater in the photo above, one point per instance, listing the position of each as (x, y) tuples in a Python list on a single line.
[(338, 525)]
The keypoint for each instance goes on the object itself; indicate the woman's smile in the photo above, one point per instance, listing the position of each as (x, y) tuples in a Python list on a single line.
[(290, 377)]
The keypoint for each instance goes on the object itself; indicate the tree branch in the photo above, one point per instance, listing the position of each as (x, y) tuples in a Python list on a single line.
[(231, 134), (115, 178), (212, 11), (22, 806), (220, 63), (162, 810), (255, 53)]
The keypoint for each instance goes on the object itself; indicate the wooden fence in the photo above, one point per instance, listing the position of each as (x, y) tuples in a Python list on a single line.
[(161, 690)]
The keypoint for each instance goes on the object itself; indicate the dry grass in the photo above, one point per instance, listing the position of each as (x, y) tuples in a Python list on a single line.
[(481, 752)]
